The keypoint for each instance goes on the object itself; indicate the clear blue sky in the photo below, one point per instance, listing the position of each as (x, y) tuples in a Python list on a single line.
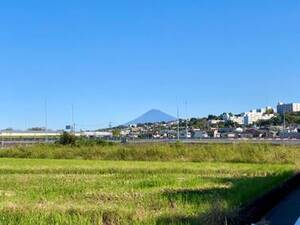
[(117, 59)]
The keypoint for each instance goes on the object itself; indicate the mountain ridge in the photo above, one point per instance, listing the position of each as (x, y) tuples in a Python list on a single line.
[(152, 116)]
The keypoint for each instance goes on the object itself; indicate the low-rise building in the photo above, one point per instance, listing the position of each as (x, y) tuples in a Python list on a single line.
[(239, 119), (183, 134), (229, 135), (248, 118), (256, 115), (197, 133), (289, 134), (95, 134), (214, 122), (168, 134), (216, 134)]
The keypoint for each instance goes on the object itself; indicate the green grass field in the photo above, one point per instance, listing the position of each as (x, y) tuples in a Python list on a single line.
[(242, 152), (54, 192)]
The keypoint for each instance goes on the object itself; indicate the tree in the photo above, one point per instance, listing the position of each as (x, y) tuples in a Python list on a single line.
[(116, 132), (200, 123), (269, 111), (292, 118), (275, 121), (230, 124), (212, 117), (67, 139)]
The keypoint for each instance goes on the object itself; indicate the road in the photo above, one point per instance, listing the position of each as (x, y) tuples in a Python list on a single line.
[(287, 211)]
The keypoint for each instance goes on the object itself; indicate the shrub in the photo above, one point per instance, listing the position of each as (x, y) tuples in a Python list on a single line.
[(67, 139)]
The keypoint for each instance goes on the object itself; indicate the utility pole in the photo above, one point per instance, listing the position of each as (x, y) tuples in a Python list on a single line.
[(178, 133), (73, 123), (46, 120), (284, 122), (2, 140), (186, 121)]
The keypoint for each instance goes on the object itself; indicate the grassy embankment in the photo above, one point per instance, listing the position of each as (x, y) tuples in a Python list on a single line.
[(124, 189), (245, 152)]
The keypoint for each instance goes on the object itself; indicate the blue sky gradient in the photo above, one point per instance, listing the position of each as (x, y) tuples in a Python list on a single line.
[(116, 59)]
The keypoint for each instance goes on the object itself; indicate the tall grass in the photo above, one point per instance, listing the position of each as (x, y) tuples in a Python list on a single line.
[(95, 192), (148, 184), (242, 152)]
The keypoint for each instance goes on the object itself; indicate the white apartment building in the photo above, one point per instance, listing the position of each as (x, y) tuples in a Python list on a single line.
[(250, 117), (288, 108), (234, 118), (256, 115)]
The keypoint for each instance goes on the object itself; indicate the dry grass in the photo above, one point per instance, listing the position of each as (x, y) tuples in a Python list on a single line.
[(36, 191), (137, 184)]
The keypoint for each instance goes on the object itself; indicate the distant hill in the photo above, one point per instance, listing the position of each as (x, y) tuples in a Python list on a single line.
[(152, 116)]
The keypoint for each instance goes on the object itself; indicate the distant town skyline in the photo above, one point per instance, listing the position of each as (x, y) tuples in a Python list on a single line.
[(116, 60), (241, 118)]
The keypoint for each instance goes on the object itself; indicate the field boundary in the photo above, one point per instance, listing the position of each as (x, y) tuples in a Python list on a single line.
[(272, 141), (257, 209)]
